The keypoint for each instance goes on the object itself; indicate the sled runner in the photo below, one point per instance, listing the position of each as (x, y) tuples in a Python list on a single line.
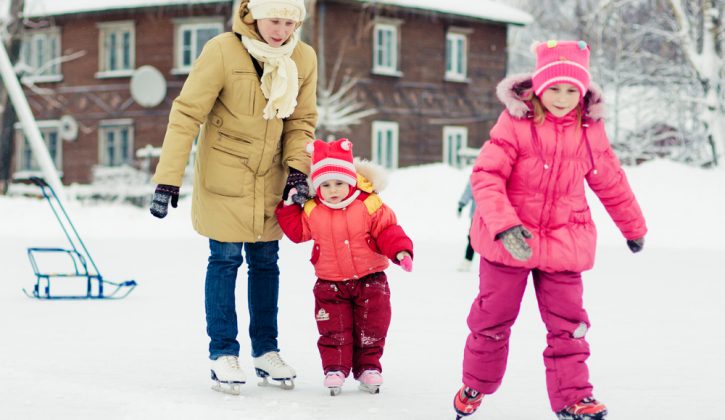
[(96, 286)]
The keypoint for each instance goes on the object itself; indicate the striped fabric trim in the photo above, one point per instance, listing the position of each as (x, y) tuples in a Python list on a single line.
[(330, 174), (561, 79), (333, 162), (556, 63)]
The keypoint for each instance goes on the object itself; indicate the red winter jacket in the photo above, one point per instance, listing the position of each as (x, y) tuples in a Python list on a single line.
[(533, 175), (350, 242)]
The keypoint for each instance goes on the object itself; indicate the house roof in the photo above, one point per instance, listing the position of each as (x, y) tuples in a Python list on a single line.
[(479, 9), (39, 8)]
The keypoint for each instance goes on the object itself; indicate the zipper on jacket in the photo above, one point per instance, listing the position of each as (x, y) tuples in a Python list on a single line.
[(589, 149)]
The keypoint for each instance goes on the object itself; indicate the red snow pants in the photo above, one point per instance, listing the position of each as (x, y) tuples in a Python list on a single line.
[(353, 318), (494, 311)]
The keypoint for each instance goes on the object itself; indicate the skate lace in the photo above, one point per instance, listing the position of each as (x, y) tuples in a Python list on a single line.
[(232, 362), (274, 359)]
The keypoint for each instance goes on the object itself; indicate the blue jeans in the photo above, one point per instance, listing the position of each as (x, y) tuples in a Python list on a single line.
[(262, 296)]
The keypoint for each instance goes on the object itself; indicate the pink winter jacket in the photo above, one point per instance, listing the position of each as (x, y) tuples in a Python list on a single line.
[(533, 175)]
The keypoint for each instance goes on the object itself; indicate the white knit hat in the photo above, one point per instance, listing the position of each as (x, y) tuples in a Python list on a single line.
[(281, 9)]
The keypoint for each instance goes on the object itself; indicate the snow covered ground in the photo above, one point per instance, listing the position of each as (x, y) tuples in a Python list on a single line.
[(657, 336)]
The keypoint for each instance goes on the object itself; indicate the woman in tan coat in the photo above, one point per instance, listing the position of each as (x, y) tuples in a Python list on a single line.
[(254, 91)]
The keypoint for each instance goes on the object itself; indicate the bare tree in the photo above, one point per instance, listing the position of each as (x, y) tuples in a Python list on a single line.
[(660, 63)]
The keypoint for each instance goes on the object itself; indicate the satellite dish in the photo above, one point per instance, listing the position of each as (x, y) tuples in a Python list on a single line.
[(68, 128), (148, 86)]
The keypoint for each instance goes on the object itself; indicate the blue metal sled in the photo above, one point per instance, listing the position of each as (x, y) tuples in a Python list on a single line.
[(96, 286)]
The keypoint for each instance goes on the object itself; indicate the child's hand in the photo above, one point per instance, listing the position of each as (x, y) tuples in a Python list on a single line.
[(514, 241), (289, 201), (406, 263)]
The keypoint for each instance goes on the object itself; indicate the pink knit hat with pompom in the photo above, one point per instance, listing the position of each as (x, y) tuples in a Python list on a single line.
[(561, 62)]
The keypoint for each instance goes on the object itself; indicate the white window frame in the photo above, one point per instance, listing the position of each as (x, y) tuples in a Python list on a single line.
[(23, 148), (45, 42), (115, 126), (389, 64), (194, 25), (382, 155), (450, 134), (457, 43), (118, 28)]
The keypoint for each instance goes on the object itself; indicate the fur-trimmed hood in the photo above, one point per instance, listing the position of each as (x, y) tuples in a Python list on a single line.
[(371, 177), (515, 93)]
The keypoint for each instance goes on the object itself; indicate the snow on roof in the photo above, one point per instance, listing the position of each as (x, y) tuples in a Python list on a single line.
[(38, 8), (479, 9)]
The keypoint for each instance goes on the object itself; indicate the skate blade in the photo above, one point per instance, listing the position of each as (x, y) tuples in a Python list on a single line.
[(373, 389), (231, 388), (283, 383), (335, 390)]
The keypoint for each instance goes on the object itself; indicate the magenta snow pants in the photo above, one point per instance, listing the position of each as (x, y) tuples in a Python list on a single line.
[(493, 313), (353, 318)]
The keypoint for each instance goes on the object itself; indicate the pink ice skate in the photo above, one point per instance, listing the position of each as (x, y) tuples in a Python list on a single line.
[(333, 381), (370, 381)]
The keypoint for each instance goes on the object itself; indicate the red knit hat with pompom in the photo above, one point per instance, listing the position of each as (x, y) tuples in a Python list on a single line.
[(332, 161)]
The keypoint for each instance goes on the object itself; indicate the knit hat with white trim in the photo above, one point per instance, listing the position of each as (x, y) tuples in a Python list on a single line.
[(332, 161), (561, 62), (280, 9)]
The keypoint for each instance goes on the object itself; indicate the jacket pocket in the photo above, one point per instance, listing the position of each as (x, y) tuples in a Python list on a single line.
[(227, 174), (580, 217), (245, 84), (315, 253), (233, 142)]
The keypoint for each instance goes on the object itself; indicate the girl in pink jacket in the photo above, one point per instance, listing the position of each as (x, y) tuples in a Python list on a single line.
[(532, 217), (354, 235)]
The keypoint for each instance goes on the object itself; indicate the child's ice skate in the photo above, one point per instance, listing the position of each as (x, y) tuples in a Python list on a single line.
[(270, 365), (370, 381), (586, 409), (227, 375), (466, 401), (333, 381)]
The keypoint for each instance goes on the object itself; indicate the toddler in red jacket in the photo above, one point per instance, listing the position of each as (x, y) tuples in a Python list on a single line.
[(532, 217), (354, 236)]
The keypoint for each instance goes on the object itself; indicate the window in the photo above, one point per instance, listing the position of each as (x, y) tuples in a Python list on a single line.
[(454, 139), (115, 143), (117, 55), (385, 144), (40, 52), (50, 131), (191, 35), (456, 56), (385, 49)]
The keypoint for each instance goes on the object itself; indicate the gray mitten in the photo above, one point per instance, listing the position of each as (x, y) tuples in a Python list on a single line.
[(513, 241)]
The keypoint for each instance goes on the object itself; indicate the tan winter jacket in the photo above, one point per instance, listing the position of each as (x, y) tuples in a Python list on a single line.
[(242, 159)]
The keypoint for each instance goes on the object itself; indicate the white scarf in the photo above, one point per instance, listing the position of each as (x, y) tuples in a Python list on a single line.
[(343, 203), (279, 79)]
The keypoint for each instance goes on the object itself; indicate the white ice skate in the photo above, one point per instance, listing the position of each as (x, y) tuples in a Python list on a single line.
[(333, 381), (227, 375), (270, 365), (370, 381)]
